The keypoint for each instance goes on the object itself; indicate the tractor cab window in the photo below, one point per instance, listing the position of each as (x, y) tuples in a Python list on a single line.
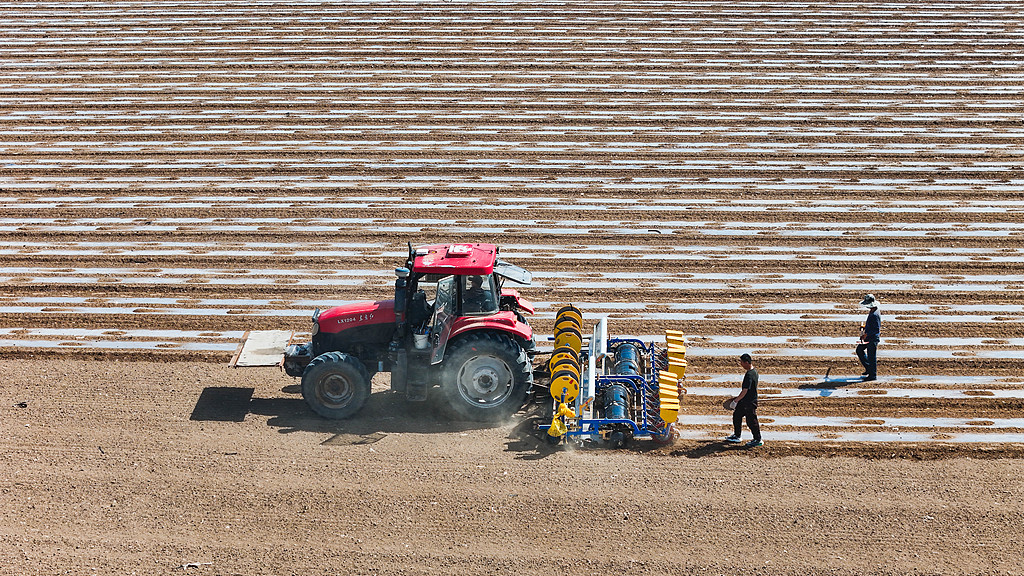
[(444, 298), (444, 316), (478, 295), (420, 310), (423, 294)]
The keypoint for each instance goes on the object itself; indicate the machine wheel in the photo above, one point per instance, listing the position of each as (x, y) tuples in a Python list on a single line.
[(335, 385), (486, 377), (666, 436)]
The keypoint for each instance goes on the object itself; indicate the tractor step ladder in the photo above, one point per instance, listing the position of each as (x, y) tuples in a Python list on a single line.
[(417, 382)]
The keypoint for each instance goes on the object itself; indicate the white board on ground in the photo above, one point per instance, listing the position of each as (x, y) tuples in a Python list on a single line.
[(263, 348)]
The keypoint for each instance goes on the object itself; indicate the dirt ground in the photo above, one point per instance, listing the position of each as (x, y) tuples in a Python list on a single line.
[(173, 174), (125, 468)]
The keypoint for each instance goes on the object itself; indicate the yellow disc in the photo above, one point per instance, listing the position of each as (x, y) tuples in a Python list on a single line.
[(567, 382), (570, 337), (565, 359), (567, 364), (563, 323), (568, 327), (567, 351), (562, 360), (570, 311)]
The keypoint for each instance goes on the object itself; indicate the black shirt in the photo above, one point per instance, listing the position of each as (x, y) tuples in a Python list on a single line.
[(750, 385), (873, 326)]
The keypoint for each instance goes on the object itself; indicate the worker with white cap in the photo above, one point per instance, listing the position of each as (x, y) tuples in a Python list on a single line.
[(870, 335)]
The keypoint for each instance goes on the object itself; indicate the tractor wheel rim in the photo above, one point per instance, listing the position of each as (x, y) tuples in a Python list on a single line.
[(485, 381), (335, 391)]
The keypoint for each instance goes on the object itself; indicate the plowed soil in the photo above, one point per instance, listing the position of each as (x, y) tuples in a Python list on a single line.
[(117, 468), (173, 174)]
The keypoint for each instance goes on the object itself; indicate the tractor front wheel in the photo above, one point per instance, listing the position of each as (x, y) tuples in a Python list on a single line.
[(335, 385), (486, 377)]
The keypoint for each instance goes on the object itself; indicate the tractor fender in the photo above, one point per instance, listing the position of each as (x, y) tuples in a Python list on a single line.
[(501, 322), (522, 303)]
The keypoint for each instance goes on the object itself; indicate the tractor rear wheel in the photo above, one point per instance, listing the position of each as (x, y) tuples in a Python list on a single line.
[(335, 385), (486, 377)]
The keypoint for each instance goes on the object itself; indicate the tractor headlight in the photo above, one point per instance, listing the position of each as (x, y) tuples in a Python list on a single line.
[(316, 328)]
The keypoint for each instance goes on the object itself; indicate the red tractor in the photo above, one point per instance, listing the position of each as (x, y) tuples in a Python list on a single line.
[(451, 324)]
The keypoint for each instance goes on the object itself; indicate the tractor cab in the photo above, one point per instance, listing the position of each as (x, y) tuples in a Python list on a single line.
[(455, 297), (452, 288)]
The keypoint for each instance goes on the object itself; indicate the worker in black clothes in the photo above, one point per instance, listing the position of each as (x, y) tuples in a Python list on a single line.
[(870, 336), (746, 405)]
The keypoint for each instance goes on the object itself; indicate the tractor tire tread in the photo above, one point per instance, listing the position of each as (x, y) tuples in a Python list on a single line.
[(340, 361)]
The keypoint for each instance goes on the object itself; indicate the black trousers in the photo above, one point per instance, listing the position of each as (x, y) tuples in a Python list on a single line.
[(748, 409), (867, 352)]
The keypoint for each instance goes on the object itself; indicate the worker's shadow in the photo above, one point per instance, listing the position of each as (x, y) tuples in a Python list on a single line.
[(383, 413), (707, 448), (827, 385)]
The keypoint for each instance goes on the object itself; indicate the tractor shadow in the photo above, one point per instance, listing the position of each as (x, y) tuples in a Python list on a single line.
[(383, 413)]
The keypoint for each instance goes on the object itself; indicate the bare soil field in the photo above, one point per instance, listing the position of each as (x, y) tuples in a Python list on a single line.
[(119, 468), (176, 173)]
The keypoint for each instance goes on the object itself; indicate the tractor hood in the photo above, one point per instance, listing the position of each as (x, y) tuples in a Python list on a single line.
[(341, 318)]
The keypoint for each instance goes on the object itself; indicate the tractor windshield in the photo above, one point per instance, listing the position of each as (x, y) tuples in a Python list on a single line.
[(512, 272), (478, 295)]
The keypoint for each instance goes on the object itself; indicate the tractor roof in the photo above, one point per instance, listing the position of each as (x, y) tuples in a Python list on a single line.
[(456, 259)]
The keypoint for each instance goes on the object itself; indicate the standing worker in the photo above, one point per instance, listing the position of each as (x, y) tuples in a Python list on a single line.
[(870, 335), (746, 405)]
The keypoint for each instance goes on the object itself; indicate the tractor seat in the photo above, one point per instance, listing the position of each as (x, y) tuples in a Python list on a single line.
[(419, 310)]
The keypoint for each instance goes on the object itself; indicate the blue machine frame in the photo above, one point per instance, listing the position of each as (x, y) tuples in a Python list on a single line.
[(644, 420)]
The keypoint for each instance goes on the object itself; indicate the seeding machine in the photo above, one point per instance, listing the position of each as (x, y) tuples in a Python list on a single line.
[(613, 389)]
